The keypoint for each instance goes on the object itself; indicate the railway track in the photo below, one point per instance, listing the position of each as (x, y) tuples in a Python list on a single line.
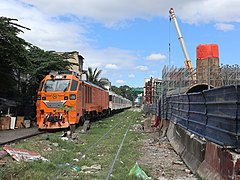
[(108, 143), (119, 129), (86, 150), (117, 154)]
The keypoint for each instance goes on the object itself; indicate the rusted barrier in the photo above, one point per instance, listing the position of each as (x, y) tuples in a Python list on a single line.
[(219, 163)]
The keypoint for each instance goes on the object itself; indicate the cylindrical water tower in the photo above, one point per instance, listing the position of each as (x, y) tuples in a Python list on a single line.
[(208, 64)]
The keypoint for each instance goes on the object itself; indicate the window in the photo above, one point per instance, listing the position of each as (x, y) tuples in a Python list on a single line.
[(74, 85), (57, 85)]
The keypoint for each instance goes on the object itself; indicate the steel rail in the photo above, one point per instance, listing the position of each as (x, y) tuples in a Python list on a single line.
[(86, 150), (119, 149)]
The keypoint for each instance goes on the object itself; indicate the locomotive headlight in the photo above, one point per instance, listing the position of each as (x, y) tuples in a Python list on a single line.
[(65, 97), (39, 97), (72, 96), (58, 77)]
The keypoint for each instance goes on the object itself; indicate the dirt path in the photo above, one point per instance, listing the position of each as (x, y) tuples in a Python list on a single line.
[(160, 157)]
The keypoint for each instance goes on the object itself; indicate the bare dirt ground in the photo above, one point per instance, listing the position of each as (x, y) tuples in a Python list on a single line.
[(160, 157)]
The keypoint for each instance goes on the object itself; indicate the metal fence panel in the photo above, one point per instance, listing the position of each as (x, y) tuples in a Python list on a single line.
[(221, 115), (238, 116), (168, 109), (197, 114), (183, 110), (150, 108), (174, 107), (213, 114)]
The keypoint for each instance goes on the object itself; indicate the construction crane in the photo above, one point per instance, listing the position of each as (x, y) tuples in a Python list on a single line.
[(187, 61)]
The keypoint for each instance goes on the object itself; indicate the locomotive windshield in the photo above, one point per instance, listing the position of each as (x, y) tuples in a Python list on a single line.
[(56, 85)]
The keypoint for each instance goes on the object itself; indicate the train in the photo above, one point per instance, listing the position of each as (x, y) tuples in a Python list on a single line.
[(64, 101)]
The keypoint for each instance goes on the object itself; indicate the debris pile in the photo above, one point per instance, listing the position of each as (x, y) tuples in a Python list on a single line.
[(158, 154), (137, 127)]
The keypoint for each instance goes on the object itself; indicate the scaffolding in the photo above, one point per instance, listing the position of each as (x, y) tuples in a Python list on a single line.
[(152, 92), (174, 78), (178, 81), (229, 75)]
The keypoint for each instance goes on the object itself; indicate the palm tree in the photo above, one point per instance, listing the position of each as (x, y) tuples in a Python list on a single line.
[(93, 77), (104, 83)]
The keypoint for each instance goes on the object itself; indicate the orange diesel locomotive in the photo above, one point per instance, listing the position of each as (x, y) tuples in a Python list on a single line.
[(63, 100)]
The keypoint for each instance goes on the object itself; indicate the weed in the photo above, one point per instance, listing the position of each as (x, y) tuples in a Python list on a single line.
[(101, 153)]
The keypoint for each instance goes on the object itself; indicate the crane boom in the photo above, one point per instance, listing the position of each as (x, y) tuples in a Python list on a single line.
[(187, 61)]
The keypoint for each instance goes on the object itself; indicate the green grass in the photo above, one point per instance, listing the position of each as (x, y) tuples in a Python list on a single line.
[(101, 154)]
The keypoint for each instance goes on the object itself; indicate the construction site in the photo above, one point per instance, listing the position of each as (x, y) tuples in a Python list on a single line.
[(200, 108)]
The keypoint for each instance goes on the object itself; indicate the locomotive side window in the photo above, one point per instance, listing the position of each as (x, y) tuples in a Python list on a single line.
[(56, 85), (74, 85), (110, 97)]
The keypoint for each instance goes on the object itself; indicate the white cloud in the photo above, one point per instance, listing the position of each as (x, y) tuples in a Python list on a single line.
[(113, 12), (62, 26), (205, 11), (142, 68), (109, 58), (46, 32), (120, 81), (111, 66), (224, 27), (156, 57), (131, 76)]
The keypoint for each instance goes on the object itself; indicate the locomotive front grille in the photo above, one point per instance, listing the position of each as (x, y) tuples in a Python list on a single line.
[(54, 104)]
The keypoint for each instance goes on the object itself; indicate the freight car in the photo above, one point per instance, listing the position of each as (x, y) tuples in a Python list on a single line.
[(63, 100)]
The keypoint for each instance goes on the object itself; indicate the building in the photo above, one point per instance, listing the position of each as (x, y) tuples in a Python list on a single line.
[(75, 57)]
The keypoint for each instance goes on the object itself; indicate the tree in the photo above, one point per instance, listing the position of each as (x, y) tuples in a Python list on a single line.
[(116, 90), (23, 65), (104, 83), (93, 76), (13, 57), (43, 62), (124, 91), (46, 61)]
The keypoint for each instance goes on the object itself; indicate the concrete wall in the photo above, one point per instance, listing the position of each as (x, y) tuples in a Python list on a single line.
[(190, 148), (208, 160)]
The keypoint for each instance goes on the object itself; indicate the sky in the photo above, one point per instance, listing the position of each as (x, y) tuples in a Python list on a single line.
[(129, 40)]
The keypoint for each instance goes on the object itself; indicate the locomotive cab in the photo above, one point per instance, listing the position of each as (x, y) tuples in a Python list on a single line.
[(57, 98)]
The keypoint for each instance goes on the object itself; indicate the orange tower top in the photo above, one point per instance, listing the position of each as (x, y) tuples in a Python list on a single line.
[(205, 51)]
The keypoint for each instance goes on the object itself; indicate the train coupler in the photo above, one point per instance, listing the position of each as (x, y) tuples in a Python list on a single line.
[(53, 119)]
